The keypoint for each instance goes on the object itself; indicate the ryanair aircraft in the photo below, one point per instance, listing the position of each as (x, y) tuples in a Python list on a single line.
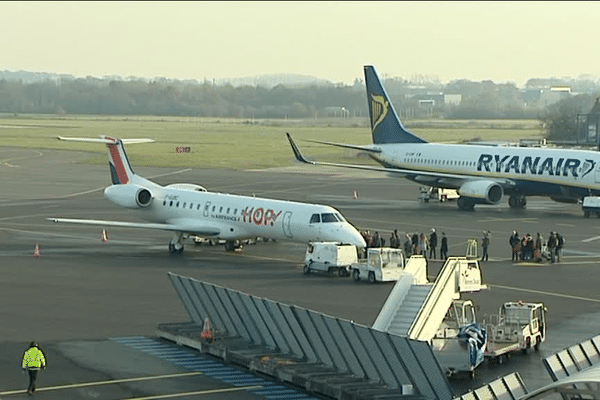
[(480, 174), (188, 209)]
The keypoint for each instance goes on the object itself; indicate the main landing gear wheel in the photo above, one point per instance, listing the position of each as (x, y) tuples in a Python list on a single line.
[(465, 204), (517, 201), (231, 245)]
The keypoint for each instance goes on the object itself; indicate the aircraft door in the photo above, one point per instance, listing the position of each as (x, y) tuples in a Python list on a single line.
[(287, 224), (206, 208)]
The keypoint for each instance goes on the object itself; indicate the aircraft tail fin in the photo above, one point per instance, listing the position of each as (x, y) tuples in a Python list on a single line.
[(121, 172), (385, 123)]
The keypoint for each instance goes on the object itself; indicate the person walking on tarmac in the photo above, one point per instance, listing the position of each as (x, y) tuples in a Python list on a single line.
[(444, 247), (33, 360), (485, 242), (432, 244)]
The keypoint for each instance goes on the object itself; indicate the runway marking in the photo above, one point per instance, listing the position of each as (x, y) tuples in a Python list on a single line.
[(108, 382), (200, 392), (591, 239), (567, 225), (6, 161), (564, 296), (494, 219)]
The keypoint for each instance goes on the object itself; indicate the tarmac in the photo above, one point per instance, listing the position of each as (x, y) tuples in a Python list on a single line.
[(86, 301)]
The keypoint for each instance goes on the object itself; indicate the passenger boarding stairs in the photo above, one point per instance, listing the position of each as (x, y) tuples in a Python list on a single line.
[(415, 307)]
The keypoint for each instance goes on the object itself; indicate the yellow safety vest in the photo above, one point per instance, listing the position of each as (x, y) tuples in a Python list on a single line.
[(34, 359)]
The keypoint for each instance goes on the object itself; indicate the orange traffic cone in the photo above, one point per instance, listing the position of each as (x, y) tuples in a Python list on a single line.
[(104, 236), (355, 195), (36, 251), (206, 332)]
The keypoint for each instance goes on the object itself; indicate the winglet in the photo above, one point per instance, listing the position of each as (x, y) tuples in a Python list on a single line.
[(296, 150)]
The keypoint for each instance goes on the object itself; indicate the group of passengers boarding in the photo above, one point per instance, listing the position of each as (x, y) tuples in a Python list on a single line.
[(528, 249), (415, 243)]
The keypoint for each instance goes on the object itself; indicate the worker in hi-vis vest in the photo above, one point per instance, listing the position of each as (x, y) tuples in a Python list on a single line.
[(33, 361)]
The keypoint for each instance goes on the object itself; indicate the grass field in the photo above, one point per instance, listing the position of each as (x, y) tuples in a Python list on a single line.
[(234, 143)]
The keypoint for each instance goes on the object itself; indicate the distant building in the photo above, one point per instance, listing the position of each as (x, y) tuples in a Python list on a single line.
[(588, 125), (452, 99)]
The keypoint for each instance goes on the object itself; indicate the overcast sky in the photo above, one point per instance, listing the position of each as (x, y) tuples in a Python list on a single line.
[(500, 41)]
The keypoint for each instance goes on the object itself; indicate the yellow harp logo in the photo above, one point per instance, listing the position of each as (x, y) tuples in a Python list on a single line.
[(379, 108)]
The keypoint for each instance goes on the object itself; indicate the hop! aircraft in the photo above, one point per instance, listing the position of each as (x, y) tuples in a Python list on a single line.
[(189, 209), (480, 174)]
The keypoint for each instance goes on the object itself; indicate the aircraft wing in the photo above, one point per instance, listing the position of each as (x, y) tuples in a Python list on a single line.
[(430, 178), (187, 226)]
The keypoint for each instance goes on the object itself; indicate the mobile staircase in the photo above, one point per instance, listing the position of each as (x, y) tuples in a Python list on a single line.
[(416, 308)]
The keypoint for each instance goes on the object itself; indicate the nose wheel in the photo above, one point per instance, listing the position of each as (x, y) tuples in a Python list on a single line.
[(176, 244)]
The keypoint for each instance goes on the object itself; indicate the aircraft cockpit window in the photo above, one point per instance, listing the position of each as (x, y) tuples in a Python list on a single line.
[(328, 217), (315, 219), (340, 217)]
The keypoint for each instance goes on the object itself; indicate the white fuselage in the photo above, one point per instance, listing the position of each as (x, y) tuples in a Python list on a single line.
[(533, 171), (230, 217)]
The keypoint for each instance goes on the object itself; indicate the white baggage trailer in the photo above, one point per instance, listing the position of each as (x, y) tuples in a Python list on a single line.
[(383, 264), (330, 257)]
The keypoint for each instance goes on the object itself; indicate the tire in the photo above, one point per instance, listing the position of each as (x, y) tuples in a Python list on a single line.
[(306, 269), (538, 342), (371, 276), (356, 274), (527, 345), (342, 271)]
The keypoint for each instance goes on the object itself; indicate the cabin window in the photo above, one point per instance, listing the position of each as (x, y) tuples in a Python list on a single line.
[(177, 205), (328, 217), (213, 209), (184, 204), (235, 211), (171, 203), (228, 209), (191, 205), (198, 206), (164, 202), (220, 209), (315, 219)]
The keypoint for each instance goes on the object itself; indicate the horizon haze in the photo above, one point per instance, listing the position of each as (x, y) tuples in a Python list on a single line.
[(497, 41)]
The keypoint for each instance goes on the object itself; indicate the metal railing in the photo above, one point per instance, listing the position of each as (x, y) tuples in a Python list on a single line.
[(313, 337)]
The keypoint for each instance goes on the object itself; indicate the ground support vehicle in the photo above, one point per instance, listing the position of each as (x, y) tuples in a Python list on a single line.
[(433, 193), (330, 257), (382, 264), (460, 342), (517, 327), (591, 205)]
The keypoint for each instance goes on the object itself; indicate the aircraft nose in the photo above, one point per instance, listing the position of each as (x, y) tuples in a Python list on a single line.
[(352, 236)]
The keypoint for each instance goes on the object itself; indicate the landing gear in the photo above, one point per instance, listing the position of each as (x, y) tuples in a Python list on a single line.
[(231, 245), (465, 204), (176, 244), (517, 201)]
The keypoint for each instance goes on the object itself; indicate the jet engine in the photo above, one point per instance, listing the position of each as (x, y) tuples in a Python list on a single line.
[(129, 196), (488, 191)]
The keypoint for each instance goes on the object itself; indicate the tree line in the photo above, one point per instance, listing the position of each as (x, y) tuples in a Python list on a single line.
[(473, 100)]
